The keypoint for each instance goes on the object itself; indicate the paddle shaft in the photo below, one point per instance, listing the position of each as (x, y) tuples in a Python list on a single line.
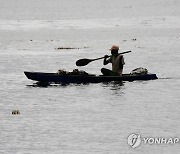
[(109, 56), (83, 62)]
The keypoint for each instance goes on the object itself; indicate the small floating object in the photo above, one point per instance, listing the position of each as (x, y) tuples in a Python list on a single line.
[(134, 39), (14, 112)]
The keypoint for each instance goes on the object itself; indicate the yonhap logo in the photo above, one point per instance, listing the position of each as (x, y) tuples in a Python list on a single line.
[(134, 140)]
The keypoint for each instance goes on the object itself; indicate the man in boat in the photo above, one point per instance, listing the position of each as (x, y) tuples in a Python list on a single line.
[(117, 61)]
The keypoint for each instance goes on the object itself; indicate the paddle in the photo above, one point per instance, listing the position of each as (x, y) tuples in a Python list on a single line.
[(85, 61)]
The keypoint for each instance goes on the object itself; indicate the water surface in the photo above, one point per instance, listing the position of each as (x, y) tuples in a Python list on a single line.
[(88, 118)]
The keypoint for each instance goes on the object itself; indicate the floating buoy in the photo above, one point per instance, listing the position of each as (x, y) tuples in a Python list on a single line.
[(14, 112)]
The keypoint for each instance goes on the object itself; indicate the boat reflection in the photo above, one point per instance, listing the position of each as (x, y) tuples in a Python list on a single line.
[(114, 84), (46, 84)]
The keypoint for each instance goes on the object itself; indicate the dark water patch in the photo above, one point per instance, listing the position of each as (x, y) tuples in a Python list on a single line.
[(170, 78), (69, 48), (133, 39)]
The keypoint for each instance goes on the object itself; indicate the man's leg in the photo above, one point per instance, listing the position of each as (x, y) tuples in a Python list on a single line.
[(107, 72)]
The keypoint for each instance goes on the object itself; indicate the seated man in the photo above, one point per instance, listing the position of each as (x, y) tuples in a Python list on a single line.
[(117, 61)]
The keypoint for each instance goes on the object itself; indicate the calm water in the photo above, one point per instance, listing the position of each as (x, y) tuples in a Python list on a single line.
[(91, 118)]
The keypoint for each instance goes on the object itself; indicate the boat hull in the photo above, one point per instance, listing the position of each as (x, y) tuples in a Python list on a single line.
[(57, 78)]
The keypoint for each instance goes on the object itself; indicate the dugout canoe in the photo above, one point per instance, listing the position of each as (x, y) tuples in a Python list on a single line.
[(58, 78)]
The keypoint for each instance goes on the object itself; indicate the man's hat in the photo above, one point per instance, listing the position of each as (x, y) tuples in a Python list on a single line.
[(114, 47)]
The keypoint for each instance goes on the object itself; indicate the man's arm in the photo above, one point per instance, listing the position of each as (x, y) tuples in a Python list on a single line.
[(121, 61), (106, 61)]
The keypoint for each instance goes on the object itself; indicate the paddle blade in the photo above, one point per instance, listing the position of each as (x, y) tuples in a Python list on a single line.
[(83, 62)]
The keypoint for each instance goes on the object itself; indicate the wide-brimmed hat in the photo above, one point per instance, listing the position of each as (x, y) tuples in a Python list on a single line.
[(114, 47)]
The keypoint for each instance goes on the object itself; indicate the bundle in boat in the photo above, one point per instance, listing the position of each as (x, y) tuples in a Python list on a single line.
[(74, 72), (139, 71)]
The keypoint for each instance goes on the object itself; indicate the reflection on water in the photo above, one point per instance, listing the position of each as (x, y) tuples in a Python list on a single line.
[(115, 85), (47, 84)]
